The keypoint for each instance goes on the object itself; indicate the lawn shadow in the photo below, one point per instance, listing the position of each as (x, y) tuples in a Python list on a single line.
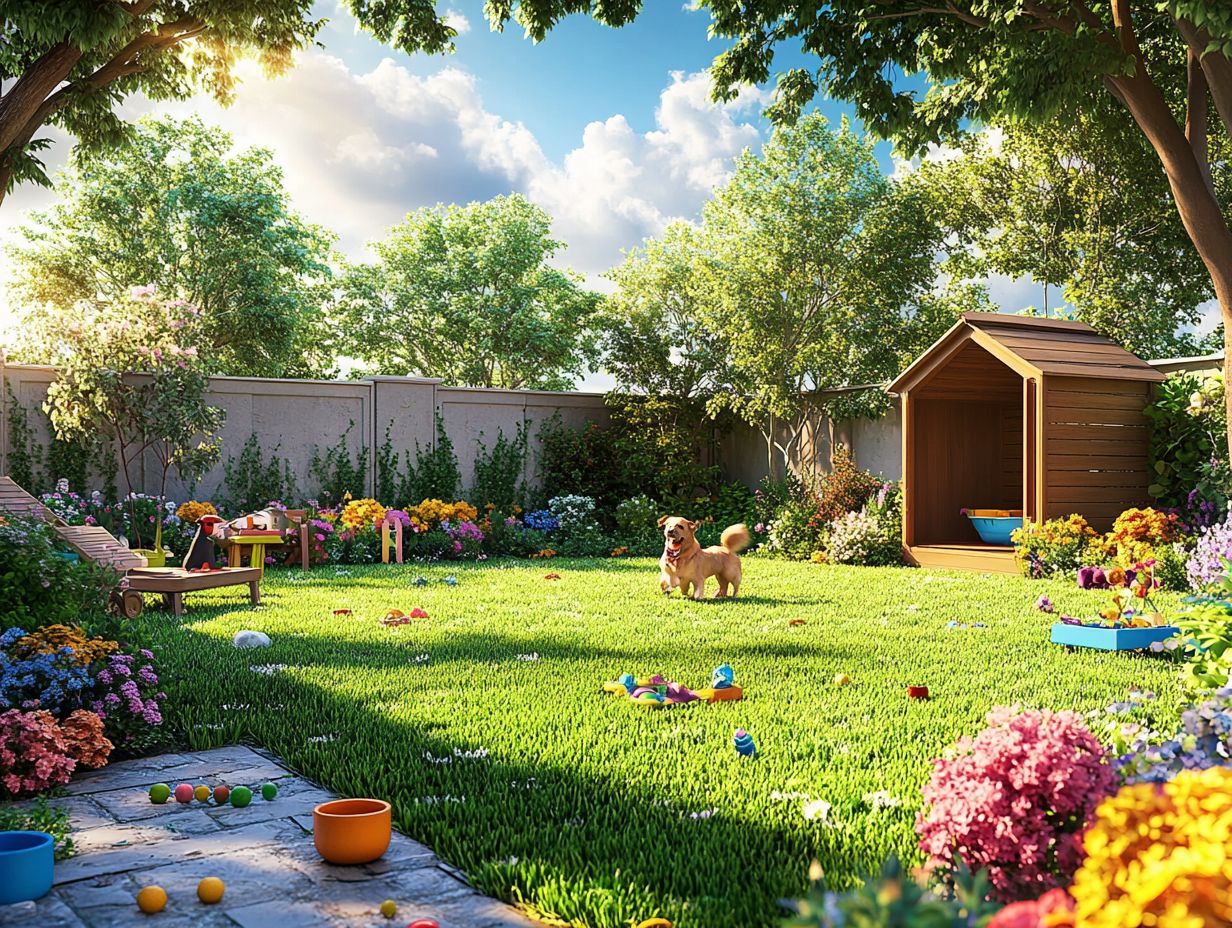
[(594, 841)]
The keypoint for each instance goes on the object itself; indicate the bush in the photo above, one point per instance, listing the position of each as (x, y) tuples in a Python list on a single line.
[(338, 477), (499, 470), (579, 533), (581, 462), (1204, 741), (1170, 567), (1015, 800), (795, 533), (1206, 564), (1205, 641), (126, 697), (41, 816), (845, 489), (636, 525), (1155, 855), (38, 587), (873, 536), (249, 481), (1136, 534), (1188, 447), (433, 474), (1053, 547), (33, 755)]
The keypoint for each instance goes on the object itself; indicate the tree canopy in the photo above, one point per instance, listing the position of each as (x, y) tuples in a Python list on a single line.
[(467, 294), (71, 63), (1089, 213), (177, 207), (810, 271)]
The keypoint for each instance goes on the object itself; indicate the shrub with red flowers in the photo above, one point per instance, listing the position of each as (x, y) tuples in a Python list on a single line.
[(1054, 909), (127, 698), (1016, 801), (84, 739), (33, 754), (845, 489)]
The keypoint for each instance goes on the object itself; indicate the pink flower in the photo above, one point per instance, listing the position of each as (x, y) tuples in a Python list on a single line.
[(1016, 800)]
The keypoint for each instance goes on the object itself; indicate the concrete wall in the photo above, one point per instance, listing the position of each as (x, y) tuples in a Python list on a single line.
[(297, 416)]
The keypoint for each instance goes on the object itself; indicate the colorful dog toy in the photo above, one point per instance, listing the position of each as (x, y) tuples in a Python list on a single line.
[(917, 692), (742, 741), (655, 691)]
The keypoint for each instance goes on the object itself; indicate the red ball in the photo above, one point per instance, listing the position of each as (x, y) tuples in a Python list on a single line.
[(183, 793), (424, 923)]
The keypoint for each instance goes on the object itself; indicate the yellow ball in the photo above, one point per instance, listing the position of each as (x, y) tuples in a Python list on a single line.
[(152, 899), (841, 679), (389, 908), (202, 793), (210, 890)]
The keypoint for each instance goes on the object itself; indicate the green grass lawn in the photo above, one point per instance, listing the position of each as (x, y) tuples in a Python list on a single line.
[(485, 725)]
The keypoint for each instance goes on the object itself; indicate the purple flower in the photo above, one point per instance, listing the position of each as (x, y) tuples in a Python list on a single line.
[(1044, 604), (148, 655)]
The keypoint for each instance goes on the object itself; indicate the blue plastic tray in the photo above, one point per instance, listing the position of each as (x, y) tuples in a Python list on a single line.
[(1110, 639)]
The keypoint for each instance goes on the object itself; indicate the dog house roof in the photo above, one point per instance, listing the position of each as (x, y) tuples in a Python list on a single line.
[(1033, 347)]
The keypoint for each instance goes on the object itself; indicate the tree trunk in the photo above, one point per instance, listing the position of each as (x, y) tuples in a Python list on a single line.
[(1200, 212)]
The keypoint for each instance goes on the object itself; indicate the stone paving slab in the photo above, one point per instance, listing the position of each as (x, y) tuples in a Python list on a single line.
[(263, 853)]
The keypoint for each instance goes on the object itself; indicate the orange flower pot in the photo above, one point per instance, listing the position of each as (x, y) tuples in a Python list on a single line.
[(351, 831)]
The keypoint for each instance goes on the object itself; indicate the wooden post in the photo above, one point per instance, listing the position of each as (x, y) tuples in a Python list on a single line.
[(385, 541)]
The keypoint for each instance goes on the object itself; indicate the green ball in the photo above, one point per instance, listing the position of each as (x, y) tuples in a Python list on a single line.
[(241, 796), (268, 791), (160, 793)]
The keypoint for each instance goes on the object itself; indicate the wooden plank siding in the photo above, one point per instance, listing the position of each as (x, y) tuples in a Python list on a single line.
[(1095, 448)]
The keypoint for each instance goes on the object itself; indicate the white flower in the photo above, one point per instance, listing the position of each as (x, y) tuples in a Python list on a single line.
[(267, 669), (882, 800), (818, 811)]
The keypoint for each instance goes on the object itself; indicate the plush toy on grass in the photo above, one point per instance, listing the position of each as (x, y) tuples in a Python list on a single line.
[(656, 691), (742, 741)]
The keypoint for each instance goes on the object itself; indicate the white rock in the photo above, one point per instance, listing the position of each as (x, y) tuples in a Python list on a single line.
[(248, 639)]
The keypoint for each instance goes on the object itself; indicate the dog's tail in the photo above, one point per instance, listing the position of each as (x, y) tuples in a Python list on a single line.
[(735, 538)]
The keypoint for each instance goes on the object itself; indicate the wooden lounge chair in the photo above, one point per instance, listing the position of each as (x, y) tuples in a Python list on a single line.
[(95, 543)]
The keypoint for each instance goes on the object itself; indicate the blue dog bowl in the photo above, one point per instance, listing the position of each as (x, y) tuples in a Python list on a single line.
[(27, 864), (995, 530)]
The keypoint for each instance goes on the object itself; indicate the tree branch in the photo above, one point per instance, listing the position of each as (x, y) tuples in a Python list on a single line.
[(1215, 66), (1195, 116)]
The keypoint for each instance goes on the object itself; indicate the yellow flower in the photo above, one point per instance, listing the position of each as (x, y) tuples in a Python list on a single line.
[(360, 513), (192, 510), (1160, 854)]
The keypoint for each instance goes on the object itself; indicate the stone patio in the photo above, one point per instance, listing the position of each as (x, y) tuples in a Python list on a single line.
[(263, 853)]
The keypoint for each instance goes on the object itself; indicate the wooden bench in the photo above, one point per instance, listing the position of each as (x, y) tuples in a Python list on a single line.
[(174, 582)]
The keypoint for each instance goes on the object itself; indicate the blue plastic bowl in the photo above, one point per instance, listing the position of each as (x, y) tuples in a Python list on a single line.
[(995, 530), (27, 865)]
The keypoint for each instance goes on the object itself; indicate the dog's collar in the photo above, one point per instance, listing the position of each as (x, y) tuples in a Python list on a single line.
[(672, 555)]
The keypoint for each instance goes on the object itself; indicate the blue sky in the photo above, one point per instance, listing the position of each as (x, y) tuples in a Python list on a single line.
[(611, 131)]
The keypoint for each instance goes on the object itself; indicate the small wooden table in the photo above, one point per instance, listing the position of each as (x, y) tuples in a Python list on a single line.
[(174, 582), (235, 545)]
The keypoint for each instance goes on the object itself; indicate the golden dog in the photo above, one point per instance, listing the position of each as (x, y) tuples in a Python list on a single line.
[(686, 564)]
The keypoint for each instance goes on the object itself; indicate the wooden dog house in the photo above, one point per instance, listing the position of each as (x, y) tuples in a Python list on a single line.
[(1018, 413)]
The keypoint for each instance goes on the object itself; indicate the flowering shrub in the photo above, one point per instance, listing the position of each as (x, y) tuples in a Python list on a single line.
[(432, 512), (1131, 605), (465, 538), (541, 520), (192, 510), (33, 755), (362, 513), (54, 638), (1204, 740), (398, 517), (1015, 800), (1137, 532), (1188, 447), (1054, 546), (1054, 909), (1206, 565), (126, 698), (320, 531), (84, 740), (1159, 855), (571, 512), (845, 489), (872, 536), (54, 682)]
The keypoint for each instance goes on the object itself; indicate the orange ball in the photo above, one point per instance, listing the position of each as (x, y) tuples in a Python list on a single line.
[(221, 794), (152, 899), (210, 890)]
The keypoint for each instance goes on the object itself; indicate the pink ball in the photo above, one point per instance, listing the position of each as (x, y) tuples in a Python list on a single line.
[(183, 793)]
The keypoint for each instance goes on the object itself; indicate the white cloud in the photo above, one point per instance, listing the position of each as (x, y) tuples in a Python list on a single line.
[(460, 23), (360, 150)]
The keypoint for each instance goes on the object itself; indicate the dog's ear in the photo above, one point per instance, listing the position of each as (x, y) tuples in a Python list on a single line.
[(693, 526), (663, 520)]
